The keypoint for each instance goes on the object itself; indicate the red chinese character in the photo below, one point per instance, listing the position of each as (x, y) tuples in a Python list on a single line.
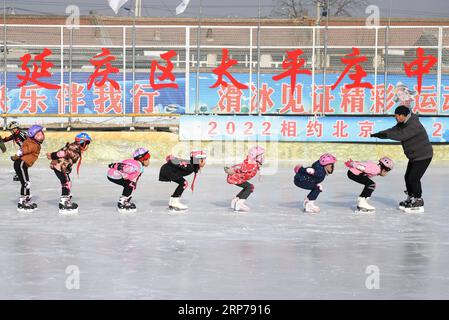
[(314, 128), (426, 101), (353, 60), (39, 71), (141, 93), (76, 97), (446, 99), (291, 102), (222, 70), (378, 97), (108, 68), (352, 100), (107, 93), (421, 69), (2, 99), (288, 129), (292, 66), (340, 127), (317, 99), (265, 101), (31, 100), (366, 128), (230, 98), (166, 72)]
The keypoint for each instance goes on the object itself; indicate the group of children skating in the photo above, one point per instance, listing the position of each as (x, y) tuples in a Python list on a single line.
[(126, 173)]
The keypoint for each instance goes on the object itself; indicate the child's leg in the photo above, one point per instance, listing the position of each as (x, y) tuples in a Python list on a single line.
[(248, 188), (21, 169), (369, 184), (65, 182), (182, 185), (126, 184), (314, 193)]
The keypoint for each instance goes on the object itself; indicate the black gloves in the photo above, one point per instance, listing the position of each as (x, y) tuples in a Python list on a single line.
[(380, 135)]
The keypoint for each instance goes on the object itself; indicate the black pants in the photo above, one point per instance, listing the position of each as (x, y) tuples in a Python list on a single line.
[(21, 169), (369, 184), (413, 175), (127, 189), (66, 184), (182, 185), (248, 188)]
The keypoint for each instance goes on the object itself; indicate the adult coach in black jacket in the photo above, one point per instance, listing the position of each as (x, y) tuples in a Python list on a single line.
[(417, 148)]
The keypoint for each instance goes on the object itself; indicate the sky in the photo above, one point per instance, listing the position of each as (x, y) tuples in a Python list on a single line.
[(220, 8)]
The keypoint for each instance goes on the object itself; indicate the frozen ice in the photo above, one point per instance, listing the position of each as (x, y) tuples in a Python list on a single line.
[(273, 252)]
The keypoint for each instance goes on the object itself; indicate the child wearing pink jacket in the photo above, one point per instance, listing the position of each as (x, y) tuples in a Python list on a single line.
[(361, 172)]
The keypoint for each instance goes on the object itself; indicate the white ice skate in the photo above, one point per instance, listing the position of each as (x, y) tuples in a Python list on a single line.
[(25, 205), (66, 206), (125, 205), (234, 202), (240, 206), (363, 206), (310, 207), (175, 205)]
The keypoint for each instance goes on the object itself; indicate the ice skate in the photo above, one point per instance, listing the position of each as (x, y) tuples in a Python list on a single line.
[(404, 203), (310, 207), (66, 206), (234, 202), (240, 206), (175, 205), (363, 206), (25, 205), (125, 205), (415, 205)]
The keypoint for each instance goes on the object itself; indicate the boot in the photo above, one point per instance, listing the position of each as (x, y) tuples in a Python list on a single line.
[(310, 207), (124, 205), (364, 206), (176, 205), (415, 205), (234, 202), (240, 206), (67, 206)]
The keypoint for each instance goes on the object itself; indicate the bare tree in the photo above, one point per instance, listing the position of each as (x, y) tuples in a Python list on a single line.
[(296, 9)]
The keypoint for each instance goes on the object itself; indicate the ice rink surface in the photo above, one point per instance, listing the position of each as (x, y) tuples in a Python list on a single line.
[(274, 252)]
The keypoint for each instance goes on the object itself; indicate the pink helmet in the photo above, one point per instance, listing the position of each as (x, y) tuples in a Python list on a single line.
[(257, 154), (386, 162), (198, 154), (327, 158)]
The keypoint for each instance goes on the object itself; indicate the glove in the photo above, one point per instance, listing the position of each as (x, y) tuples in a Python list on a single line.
[(229, 170), (19, 153), (297, 168), (380, 135), (310, 171), (349, 163), (320, 187), (360, 168), (183, 164), (15, 157)]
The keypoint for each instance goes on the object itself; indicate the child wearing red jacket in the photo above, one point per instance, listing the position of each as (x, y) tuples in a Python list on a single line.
[(241, 173)]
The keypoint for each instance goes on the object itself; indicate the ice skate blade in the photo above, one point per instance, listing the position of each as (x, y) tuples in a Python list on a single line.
[(26, 210), (240, 211), (310, 212), (414, 210), (176, 210), (126, 211), (68, 212), (364, 211)]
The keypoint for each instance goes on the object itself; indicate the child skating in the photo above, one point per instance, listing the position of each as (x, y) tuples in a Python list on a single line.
[(175, 169), (18, 135), (23, 160), (240, 174), (310, 178), (62, 162), (126, 173), (361, 172)]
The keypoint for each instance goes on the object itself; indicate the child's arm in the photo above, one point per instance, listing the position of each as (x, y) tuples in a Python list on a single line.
[(178, 162)]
